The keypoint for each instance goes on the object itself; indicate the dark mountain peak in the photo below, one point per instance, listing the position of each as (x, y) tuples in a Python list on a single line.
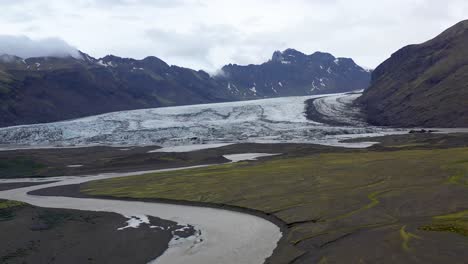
[(110, 57), (230, 65), (292, 56), (149, 63), (277, 57), (323, 58), (291, 72), (293, 53), (322, 55), (287, 56), (117, 60), (347, 62), (7, 58), (85, 57), (11, 62), (50, 63), (457, 30), (154, 63), (45, 62), (51, 59), (204, 74), (113, 61)]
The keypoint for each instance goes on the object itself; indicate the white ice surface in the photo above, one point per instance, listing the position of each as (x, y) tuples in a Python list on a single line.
[(135, 221), (277, 120), (75, 166), (247, 156), (189, 148)]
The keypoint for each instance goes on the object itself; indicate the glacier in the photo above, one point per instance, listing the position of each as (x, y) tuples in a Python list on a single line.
[(276, 120)]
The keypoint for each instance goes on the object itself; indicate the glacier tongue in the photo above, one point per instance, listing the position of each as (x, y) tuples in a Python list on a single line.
[(276, 120)]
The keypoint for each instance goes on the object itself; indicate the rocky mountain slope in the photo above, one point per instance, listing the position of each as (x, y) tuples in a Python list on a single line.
[(46, 89), (423, 85), (294, 73)]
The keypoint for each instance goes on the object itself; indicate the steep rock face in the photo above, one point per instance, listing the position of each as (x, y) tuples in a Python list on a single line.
[(423, 85), (294, 73)]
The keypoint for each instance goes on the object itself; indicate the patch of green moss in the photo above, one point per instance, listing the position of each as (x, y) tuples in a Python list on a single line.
[(454, 223), (406, 237), (453, 216), (323, 260), (7, 209), (5, 204), (446, 227), (460, 173), (374, 201), (19, 167)]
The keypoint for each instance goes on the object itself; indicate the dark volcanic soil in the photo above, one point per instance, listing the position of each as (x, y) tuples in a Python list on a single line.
[(95, 160), (73, 190), (37, 235)]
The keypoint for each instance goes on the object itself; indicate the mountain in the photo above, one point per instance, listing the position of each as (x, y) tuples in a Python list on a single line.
[(49, 89), (423, 85), (46, 89), (292, 73)]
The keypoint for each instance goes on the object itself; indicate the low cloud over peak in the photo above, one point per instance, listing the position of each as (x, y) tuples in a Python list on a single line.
[(26, 47)]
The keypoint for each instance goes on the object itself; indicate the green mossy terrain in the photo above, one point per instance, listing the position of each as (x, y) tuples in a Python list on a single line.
[(21, 166), (455, 223), (333, 202), (7, 209)]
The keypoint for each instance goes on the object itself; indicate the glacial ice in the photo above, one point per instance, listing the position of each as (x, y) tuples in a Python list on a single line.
[(276, 120)]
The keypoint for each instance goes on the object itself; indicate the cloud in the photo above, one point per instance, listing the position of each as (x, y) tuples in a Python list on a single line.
[(210, 33), (211, 46), (126, 3), (196, 45), (25, 47)]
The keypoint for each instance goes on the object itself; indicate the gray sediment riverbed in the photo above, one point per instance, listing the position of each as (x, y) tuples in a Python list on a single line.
[(221, 236)]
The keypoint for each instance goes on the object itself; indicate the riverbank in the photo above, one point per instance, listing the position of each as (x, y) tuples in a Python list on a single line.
[(33, 234), (290, 253), (325, 200), (368, 205), (254, 236)]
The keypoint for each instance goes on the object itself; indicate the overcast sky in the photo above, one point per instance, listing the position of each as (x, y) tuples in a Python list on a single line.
[(206, 34)]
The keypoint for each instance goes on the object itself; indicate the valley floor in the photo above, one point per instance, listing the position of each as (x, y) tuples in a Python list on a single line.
[(37, 235), (403, 200)]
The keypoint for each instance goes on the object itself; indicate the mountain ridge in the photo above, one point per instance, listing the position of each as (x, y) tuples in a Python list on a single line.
[(422, 84), (296, 73), (47, 89)]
